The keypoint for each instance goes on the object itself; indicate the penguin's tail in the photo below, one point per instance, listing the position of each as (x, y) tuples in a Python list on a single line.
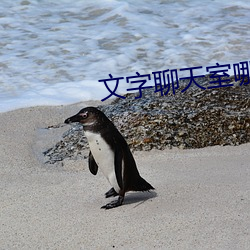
[(141, 185)]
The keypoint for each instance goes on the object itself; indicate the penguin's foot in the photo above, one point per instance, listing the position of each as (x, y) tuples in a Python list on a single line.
[(113, 204), (111, 193)]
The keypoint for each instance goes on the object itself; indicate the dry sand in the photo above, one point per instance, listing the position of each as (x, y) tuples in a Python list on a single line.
[(201, 201)]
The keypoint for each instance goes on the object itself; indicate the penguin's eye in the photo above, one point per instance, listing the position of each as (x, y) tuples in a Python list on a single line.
[(84, 115)]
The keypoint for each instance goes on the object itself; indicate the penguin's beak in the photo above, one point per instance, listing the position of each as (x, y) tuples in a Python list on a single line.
[(74, 118)]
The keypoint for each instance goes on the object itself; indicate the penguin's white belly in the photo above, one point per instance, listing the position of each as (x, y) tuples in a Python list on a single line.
[(104, 157)]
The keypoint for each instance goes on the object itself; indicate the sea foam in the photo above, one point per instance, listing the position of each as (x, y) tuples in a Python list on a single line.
[(54, 53)]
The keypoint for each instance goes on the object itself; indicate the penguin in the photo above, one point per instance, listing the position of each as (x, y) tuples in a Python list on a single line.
[(110, 152)]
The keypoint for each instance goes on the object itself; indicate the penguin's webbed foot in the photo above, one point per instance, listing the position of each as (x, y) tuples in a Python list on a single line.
[(111, 193), (113, 204)]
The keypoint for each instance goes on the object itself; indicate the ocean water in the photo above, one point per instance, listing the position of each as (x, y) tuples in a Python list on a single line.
[(54, 52)]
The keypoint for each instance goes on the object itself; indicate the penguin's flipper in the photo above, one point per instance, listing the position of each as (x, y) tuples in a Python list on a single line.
[(111, 193), (118, 166), (93, 167)]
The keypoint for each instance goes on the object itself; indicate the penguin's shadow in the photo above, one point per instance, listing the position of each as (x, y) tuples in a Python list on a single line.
[(137, 198)]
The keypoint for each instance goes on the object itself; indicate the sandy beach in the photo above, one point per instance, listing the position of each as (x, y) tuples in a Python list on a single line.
[(201, 198)]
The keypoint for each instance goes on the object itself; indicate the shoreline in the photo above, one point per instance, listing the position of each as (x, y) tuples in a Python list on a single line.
[(201, 198)]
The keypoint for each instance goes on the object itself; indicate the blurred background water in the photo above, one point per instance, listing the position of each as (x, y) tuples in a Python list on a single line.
[(54, 52)]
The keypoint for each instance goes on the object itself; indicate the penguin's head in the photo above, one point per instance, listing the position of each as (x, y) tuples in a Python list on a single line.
[(88, 117)]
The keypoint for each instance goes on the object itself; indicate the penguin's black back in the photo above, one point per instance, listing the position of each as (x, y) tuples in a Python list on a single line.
[(132, 180)]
